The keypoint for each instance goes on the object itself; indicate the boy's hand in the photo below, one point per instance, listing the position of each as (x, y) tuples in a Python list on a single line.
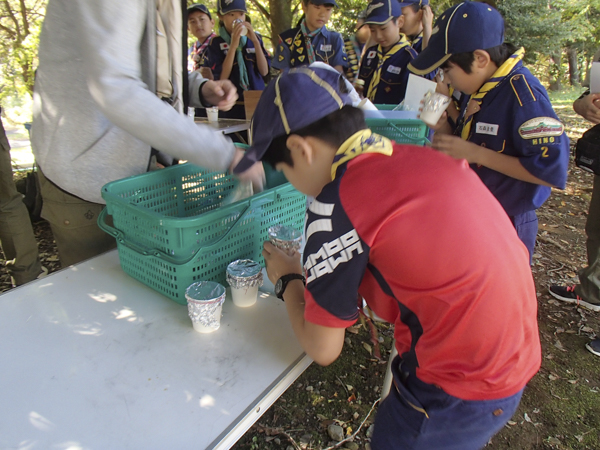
[(457, 148), (251, 33), (278, 263), (427, 20), (220, 93), (441, 124), (588, 107), (236, 34)]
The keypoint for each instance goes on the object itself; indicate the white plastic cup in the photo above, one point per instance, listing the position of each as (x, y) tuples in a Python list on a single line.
[(205, 303), (213, 114), (244, 297), (245, 277), (244, 30), (200, 328), (434, 105)]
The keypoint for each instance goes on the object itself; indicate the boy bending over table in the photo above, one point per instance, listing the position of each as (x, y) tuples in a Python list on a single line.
[(391, 223)]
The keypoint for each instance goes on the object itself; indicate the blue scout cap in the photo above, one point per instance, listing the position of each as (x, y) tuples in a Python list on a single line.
[(227, 6), (465, 27), (322, 2), (421, 3), (382, 11), (201, 8), (298, 97)]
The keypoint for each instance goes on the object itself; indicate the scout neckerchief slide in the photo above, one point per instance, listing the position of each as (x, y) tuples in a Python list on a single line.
[(239, 57), (308, 36), (381, 58), (475, 100), (364, 141), (198, 50)]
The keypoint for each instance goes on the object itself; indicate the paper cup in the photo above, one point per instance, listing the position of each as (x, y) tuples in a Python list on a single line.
[(205, 302), (286, 238), (434, 105), (212, 114), (244, 297), (245, 277)]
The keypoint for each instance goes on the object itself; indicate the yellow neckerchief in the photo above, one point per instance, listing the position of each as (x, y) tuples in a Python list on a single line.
[(475, 100), (372, 91), (364, 141)]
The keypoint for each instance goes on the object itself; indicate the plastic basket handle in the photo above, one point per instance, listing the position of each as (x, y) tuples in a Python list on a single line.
[(410, 138), (118, 235)]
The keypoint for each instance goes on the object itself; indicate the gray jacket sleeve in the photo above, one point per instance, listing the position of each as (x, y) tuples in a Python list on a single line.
[(111, 34)]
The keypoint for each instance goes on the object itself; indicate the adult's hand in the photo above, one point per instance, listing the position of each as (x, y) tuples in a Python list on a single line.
[(255, 174), (588, 107), (220, 93)]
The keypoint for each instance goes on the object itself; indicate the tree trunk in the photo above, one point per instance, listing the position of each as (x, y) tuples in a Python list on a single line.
[(555, 72), (281, 18), (573, 66)]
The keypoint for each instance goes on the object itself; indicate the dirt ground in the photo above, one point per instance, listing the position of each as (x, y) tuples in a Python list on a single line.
[(560, 408)]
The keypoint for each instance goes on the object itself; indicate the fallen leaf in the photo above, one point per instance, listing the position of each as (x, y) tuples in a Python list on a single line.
[(572, 381), (526, 417), (553, 377), (559, 346), (368, 348)]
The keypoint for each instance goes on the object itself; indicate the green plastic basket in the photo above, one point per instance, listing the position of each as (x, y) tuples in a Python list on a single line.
[(403, 131), (171, 229)]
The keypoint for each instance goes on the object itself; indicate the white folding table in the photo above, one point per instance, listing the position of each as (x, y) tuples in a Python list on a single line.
[(92, 359)]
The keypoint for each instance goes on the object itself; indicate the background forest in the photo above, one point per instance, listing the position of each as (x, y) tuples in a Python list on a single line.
[(560, 38)]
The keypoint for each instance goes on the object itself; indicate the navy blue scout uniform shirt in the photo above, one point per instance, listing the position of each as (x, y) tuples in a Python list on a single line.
[(394, 74), (215, 55), (516, 118), (291, 49)]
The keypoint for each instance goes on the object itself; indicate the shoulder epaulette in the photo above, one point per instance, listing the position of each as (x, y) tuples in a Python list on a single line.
[(522, 90), (290, 33), (411, 50)]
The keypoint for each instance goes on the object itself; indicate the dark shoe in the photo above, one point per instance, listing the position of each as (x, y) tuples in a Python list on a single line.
[(594, 346), (567, 294)]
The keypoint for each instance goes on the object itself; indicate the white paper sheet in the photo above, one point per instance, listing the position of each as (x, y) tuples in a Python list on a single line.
[(415, 90)]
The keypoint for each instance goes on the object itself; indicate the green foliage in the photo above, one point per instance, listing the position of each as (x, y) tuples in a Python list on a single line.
[(20, 23)]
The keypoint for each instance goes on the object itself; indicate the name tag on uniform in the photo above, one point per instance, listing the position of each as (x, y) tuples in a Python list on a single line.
[(224, 45), (394, 69), (325, 48), (372, 54), (487, 128), (251, 50)]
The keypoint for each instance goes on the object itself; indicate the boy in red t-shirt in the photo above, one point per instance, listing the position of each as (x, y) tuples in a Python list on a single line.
[(425, 257)]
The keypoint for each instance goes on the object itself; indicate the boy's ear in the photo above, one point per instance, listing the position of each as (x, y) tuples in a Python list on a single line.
[(300, 148), (400, 21), (482, 59)]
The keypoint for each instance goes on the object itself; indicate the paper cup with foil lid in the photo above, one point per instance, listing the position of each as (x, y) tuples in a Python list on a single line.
[(286, 238), (434, 105), (245, 277), (205, 301)]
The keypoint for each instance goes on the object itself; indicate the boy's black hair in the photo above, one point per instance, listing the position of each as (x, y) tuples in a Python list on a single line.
[(415, 7), (334, 129), (498, 56)]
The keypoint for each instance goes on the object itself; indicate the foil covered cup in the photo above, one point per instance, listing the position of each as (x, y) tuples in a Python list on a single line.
[(245, 277), (434, 105), (205, 301), (286, 238)]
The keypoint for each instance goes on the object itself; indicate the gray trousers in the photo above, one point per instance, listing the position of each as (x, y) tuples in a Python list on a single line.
[(16, 233), (74, 224), (589, 277)]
